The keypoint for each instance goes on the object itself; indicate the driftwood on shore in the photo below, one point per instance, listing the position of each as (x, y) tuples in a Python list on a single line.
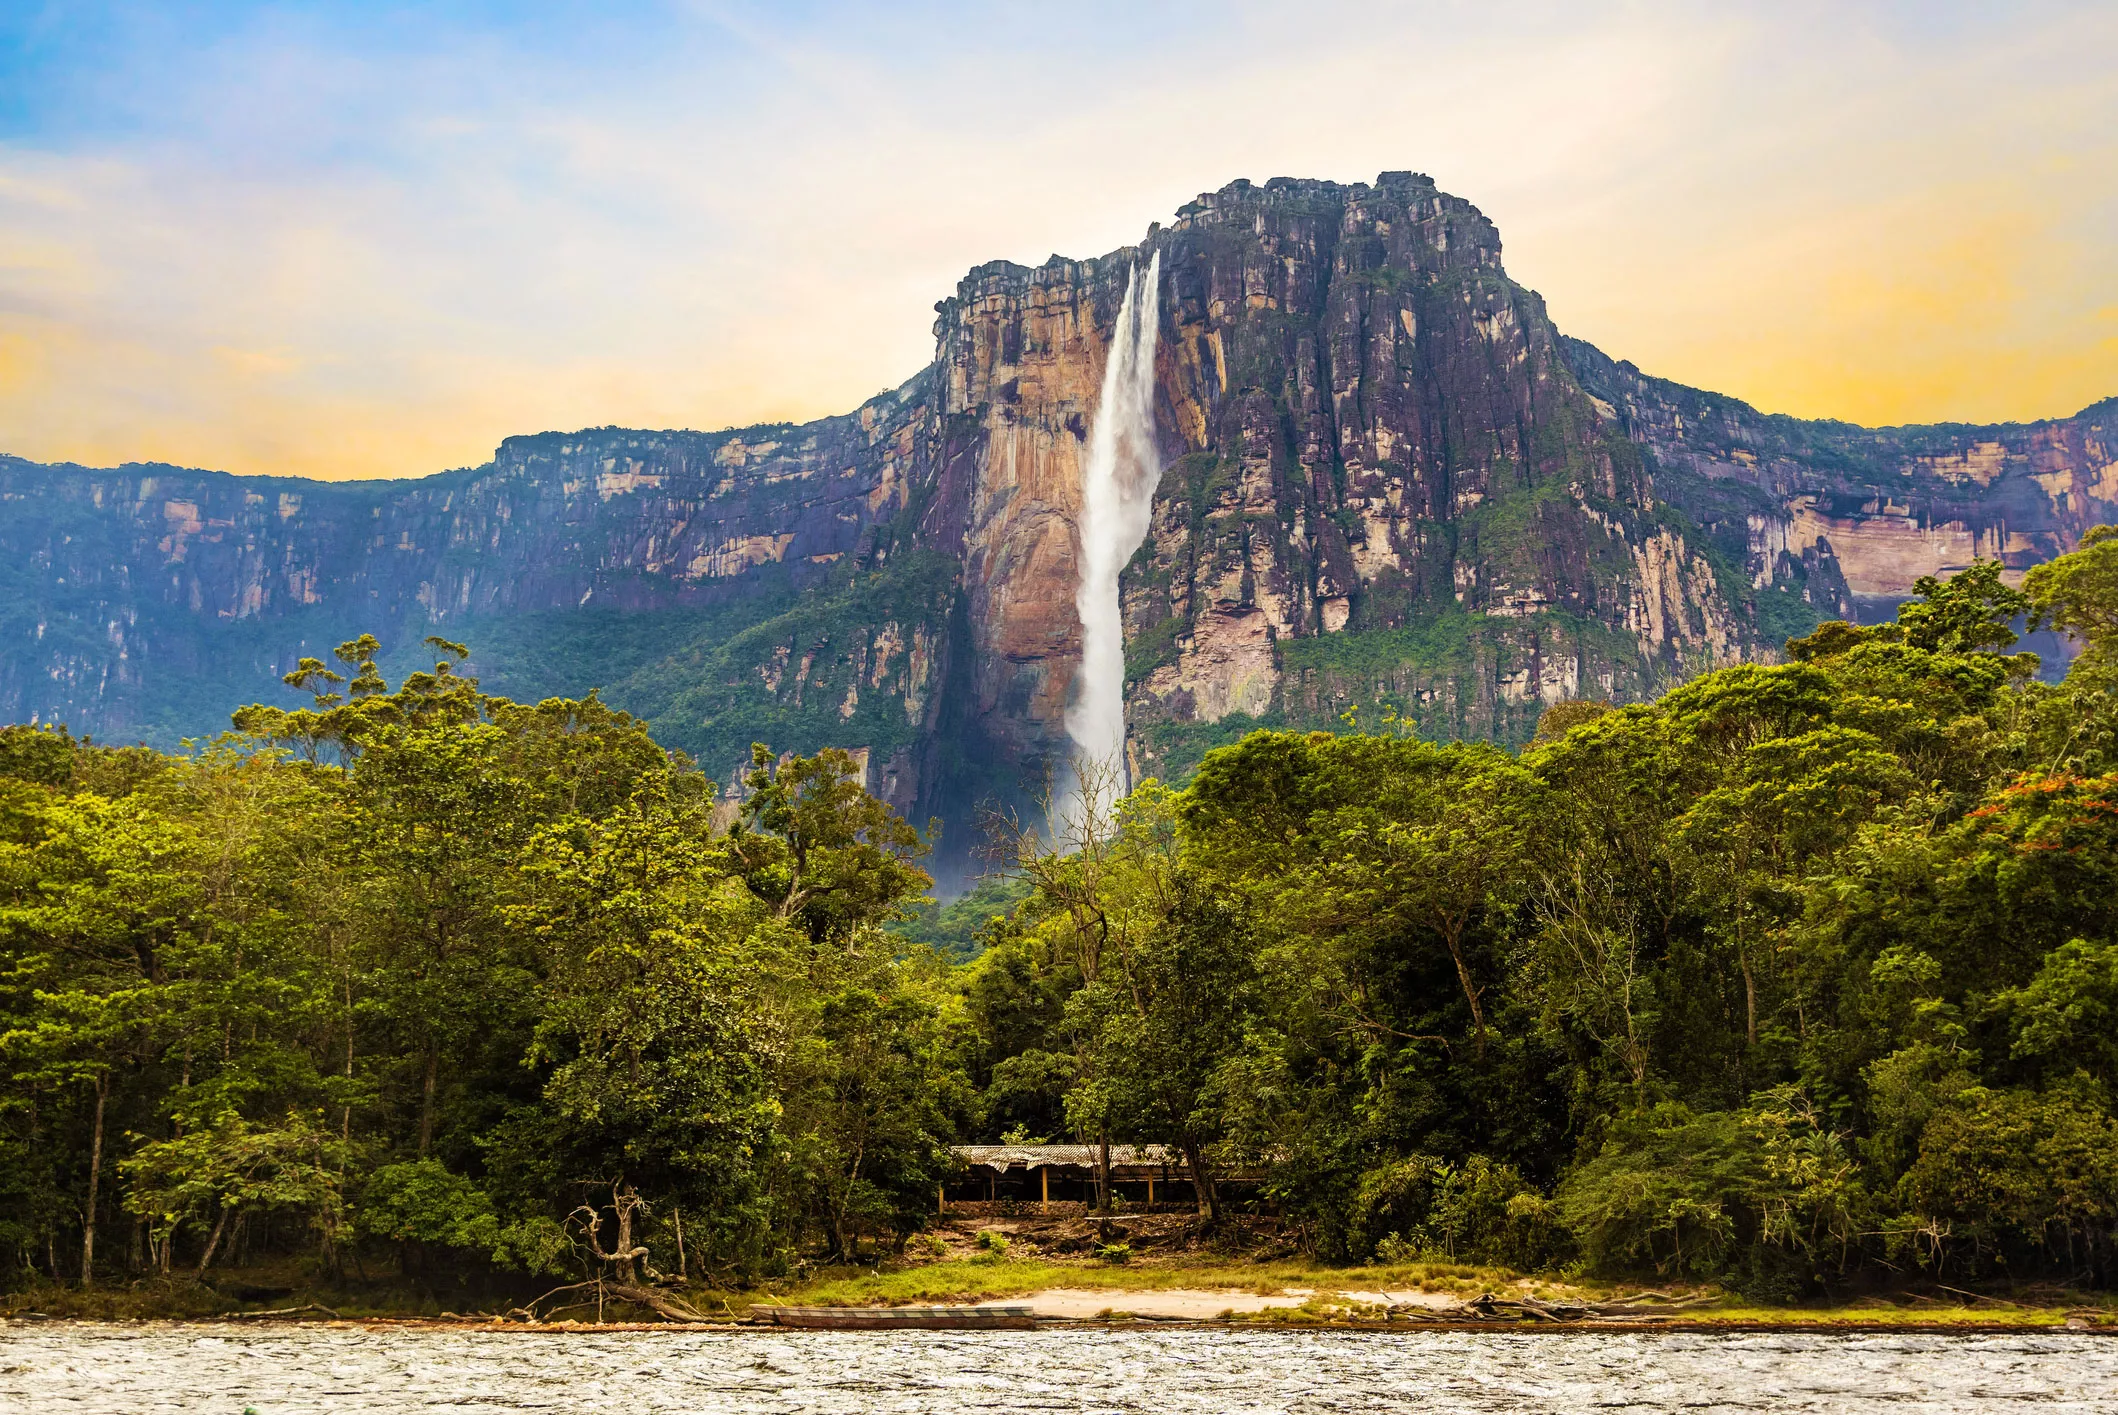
[(665, 1305), (1488, 1308), (988, 1318), (302, 1310)]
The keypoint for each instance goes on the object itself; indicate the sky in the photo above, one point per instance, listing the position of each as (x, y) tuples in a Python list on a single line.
[(365, 240)]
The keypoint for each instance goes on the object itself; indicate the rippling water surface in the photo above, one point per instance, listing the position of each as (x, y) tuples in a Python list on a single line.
[(95, 1369)]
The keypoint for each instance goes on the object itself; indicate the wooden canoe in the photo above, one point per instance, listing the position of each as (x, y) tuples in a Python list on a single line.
[(900, 1318)]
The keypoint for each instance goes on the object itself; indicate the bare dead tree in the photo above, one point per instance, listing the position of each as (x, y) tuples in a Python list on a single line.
[(625, 1203)]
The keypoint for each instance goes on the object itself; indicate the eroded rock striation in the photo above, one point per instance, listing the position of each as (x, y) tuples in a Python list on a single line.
[(1391, 483), (1862, 512)]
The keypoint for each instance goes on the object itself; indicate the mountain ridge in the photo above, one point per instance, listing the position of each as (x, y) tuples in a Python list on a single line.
[(1390, 480)]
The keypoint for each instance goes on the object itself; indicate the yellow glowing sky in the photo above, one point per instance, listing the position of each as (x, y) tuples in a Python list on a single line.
[(331, 249)]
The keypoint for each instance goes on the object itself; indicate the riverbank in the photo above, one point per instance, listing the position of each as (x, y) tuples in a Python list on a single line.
[(1283, 1293), (1147, 1268), (1190, 1290)]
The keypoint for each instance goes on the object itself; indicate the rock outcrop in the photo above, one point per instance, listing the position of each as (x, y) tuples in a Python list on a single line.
[(1861, 513), (1391, 484), (145, 599)]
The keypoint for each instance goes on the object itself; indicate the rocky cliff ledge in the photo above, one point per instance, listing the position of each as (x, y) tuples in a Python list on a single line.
[(1391, 482), (1864, 511)]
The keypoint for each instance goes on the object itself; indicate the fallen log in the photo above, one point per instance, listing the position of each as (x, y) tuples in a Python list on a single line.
[(1977, 1296), (284, 1312), (670, 1308), (1488, 1308)]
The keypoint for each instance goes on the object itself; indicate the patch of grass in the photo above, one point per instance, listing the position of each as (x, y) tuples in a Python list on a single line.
[(1001, 1272), (972, 1279), (1879, 1312), (135, 1302), (983, 1278), (274, 1287), (1305, 1315)]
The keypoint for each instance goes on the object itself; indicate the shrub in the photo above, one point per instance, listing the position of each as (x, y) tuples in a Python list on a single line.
[(1488, 1213), (422, 1202), (1480, 1211), (2014, 1168), (1391, 1204), (1693, 1195)]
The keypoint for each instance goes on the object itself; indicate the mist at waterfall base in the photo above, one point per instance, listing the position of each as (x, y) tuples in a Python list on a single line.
[(1117, 498)]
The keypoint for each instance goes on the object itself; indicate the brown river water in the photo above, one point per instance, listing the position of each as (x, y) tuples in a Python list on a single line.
[(216, 1370)]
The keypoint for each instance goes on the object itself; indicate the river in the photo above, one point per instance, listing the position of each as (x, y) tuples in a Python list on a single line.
[(219, 1370)]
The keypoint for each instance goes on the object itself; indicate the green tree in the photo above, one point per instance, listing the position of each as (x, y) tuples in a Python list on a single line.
[(1970, 612), (2008, 1168), (820, 849), (232, 1170)]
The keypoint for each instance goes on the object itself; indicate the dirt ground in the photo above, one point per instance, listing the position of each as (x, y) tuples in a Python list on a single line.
[(1198, 1303), (1160, 1236), (1075, 1237)]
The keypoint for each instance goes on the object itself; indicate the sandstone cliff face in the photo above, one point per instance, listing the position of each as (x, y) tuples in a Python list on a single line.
[(1863, 512), (1391, 483), (1370, 428), (1018, 365), (115, 585)]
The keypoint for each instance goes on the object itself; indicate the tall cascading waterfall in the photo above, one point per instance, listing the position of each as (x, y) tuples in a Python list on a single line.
[(1117, 499)]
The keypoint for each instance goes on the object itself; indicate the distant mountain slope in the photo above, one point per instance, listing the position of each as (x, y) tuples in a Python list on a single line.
[(1390, 481), (146, 600), (1872, 508)]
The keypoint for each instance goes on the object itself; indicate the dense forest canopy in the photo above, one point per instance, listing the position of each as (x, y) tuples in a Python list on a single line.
[(1798, 977)]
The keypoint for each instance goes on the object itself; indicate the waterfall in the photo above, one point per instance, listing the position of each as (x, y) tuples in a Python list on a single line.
[(1117, 496)]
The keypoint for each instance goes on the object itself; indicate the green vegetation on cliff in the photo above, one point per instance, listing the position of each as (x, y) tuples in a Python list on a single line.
[(841, 666)]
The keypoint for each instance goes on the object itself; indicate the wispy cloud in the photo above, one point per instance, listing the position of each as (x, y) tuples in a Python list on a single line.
[(359, 242)]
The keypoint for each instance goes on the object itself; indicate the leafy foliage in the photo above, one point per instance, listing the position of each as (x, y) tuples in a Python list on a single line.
[(1799, 975), (466, 979)]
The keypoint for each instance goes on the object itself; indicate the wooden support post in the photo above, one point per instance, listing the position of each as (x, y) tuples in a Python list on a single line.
[(1150, 1189), (942, 1192), (1044, 1173)]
